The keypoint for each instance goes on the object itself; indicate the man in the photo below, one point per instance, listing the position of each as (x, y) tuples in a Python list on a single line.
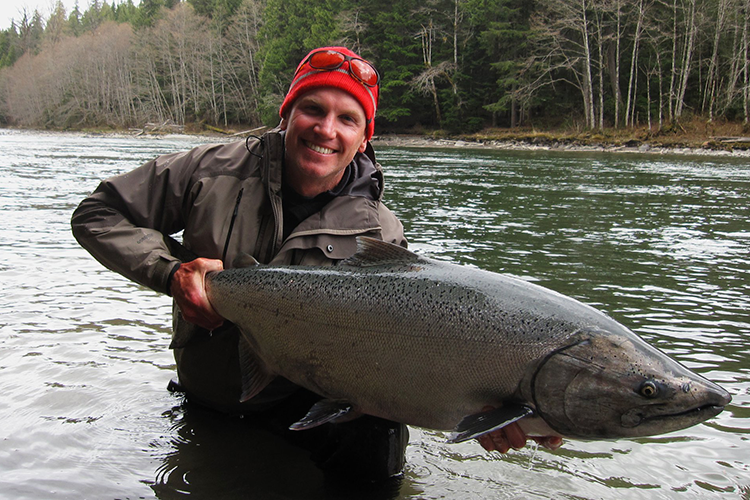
[(300, 194)]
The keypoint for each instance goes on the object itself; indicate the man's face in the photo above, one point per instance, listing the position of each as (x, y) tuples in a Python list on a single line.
[(325, 128)]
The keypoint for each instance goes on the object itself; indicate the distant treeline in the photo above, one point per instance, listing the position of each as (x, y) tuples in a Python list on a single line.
[(455, 65)]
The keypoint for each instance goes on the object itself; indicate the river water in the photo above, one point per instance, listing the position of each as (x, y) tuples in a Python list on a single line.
[(661, 243)]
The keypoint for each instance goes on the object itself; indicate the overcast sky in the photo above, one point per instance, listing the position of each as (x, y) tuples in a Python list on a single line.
[(11, 9)]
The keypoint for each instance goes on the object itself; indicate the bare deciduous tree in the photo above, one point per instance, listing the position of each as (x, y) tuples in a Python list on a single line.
[(563, 42)]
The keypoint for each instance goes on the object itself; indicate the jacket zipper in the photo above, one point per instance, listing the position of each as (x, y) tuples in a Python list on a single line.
[(231, 225)]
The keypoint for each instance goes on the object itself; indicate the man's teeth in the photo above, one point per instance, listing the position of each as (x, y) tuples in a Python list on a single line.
[(319, 149)]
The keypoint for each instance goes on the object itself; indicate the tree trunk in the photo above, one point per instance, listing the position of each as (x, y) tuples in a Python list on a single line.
[(709, 93), (673, 75), (690, 32), (632, 79), (589, 83)]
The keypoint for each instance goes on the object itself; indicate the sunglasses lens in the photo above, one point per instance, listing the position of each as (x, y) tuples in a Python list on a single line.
[(326, 59), (329, 60), (364, 71)]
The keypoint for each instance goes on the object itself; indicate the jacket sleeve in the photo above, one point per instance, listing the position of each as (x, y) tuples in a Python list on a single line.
[(123, 223)]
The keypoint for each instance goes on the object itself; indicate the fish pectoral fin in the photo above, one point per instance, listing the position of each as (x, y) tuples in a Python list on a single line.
[(324, 411), (183, 331), (482, 423), (255, 376)]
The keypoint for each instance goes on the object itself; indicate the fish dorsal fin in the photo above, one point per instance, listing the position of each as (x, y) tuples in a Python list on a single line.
[(244, 260), (324, 411), (254, 374), (482, 423), (373, 252)]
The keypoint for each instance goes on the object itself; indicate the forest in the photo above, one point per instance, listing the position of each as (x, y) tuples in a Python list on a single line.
[(452, 65)]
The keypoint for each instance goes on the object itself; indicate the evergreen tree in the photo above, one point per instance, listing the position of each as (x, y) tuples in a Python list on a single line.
[(75, 27), (93, 17), (107, 11), (291, 29), (125, 12), (398, 57), (56, 24), (503, 33), (9, 41), (223, 9), (30, 33), (149, 11)]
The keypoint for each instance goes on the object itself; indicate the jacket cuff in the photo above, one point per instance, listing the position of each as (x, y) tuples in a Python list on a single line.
[(163, 272), (169, 278)]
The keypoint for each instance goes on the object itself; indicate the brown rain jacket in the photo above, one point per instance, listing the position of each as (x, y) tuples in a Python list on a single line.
[(226, 198)]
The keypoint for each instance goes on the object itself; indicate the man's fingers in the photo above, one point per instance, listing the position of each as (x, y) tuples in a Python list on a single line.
[(494, 441), (512, 436), (549, 442), (515, 436), (500, 441), (202, 317), (486, 441), (188, 290)]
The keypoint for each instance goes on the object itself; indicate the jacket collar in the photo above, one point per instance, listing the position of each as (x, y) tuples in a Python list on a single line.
[(272, 160)]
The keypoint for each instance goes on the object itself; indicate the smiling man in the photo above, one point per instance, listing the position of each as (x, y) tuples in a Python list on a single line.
[(298, 195), (325, 129)]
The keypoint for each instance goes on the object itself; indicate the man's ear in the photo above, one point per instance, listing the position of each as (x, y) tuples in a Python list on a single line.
[(363, 146), (284, 123)]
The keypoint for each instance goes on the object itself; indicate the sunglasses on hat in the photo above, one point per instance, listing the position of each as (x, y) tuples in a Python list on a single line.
[(331, 60)]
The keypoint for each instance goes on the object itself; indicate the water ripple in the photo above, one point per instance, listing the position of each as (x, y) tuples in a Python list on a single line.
[(661, 244)]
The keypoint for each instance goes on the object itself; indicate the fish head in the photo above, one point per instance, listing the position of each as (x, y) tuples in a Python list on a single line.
[(614, 385)]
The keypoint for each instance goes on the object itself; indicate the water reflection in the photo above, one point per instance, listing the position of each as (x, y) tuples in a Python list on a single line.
[(210, 452)]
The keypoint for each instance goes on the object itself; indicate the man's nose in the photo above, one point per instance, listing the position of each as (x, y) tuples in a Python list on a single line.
[(326, 125)]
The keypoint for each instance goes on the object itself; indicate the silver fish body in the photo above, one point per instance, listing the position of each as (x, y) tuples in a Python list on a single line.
[(431, 344)]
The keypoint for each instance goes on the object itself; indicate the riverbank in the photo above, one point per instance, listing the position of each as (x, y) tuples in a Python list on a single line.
[(689, 138), (412, 141), (696, 138), (727, 139)]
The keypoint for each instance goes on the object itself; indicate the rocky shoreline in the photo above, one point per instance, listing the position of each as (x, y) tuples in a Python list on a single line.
[(415, 141)]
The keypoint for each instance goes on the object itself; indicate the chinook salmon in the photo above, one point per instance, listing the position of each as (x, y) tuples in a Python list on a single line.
[(427, 343)]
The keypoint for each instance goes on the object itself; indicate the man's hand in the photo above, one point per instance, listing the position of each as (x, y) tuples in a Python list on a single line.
[(512, 436), (188, 289)]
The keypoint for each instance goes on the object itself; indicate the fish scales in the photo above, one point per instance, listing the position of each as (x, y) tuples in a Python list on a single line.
[(407, 338), (345, 340)]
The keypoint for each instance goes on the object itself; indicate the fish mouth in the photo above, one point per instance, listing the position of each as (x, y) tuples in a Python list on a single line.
[(700, 412), (635, 418)]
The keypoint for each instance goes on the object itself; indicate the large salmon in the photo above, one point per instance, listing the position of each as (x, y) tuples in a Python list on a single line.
[(428, 343)]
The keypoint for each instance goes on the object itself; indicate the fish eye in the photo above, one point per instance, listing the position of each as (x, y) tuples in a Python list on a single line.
[(649, 389)]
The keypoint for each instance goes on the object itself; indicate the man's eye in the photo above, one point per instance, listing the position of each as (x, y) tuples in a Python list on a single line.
[(311, 109)]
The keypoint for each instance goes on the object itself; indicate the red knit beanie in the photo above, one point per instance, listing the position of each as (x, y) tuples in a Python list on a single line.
[(307, 78)]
